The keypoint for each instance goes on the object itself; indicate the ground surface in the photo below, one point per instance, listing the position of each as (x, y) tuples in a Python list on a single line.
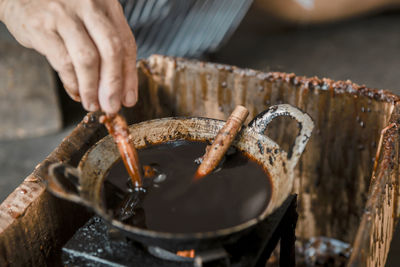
[(365, 50)]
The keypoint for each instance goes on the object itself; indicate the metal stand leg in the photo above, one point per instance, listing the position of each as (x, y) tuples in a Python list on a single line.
[(284, 225), (288, 237)]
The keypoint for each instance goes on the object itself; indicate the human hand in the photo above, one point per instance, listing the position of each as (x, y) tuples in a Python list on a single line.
[(88, 42)]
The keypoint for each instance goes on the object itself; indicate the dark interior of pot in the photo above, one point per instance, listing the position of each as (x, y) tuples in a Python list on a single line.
[(170, 201), (334, 173)]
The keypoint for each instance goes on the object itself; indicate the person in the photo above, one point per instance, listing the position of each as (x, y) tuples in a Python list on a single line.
[(322, 11), (88, 42)]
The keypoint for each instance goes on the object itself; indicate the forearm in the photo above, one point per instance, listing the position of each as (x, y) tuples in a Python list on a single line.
[(321, 10)]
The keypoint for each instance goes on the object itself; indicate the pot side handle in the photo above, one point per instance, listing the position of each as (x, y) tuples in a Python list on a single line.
[(306, 126), (63, 182)]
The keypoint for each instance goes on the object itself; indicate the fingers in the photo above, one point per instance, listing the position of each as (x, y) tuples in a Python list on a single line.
[(130, 90), (130, 86), (110, 48), (89, 44), (84, 56), (94, 52), (58, 57)]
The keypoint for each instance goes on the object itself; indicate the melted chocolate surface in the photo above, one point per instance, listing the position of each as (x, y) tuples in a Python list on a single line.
[(171, 201)]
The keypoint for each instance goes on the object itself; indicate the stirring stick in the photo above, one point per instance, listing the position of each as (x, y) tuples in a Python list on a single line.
[(118, 128), (222, 142)]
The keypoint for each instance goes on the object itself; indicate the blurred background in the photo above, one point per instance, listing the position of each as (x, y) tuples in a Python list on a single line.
[(355, 40)]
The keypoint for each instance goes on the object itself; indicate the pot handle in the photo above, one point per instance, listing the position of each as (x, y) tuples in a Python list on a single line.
[(306, 125), (63, 182)]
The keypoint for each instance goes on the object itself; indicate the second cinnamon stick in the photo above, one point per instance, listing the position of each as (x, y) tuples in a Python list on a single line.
[(222, 142)]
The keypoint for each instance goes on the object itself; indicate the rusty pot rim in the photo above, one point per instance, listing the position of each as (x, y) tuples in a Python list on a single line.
[(99, 159), (254, 131), (195, 235)]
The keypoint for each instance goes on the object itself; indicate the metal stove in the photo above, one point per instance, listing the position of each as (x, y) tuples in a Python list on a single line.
[(97, 244)]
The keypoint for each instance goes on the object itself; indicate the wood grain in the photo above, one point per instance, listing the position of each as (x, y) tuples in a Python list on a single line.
[(337, 196)]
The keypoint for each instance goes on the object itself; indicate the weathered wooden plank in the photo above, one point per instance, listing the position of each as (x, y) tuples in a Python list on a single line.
[(337, 197), (334, 175), (33, 223), (380, 215), (334, 172)]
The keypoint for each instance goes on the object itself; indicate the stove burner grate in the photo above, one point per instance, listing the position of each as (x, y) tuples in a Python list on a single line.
[(96, 244)]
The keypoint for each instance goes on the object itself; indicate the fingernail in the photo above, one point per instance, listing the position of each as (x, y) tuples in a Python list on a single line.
[(115, 102), (130, 98), (93, 107), (76, 98)]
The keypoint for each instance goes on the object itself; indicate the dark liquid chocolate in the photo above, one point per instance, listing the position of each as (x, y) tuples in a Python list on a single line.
[(172, 202)]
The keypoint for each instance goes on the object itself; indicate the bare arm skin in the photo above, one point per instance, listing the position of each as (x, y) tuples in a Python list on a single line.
[(316, 11), (88, 42)]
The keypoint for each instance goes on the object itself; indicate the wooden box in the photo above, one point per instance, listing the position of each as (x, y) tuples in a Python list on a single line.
[(345, 192)]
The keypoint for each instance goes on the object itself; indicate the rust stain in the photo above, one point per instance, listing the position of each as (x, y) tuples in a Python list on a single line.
[(368, 204)]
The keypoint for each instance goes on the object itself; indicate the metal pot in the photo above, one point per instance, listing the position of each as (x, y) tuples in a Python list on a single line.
[(84, 184)]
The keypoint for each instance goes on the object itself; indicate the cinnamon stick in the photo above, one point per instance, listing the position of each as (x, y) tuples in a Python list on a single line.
[(222, 142), (118, 129)]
